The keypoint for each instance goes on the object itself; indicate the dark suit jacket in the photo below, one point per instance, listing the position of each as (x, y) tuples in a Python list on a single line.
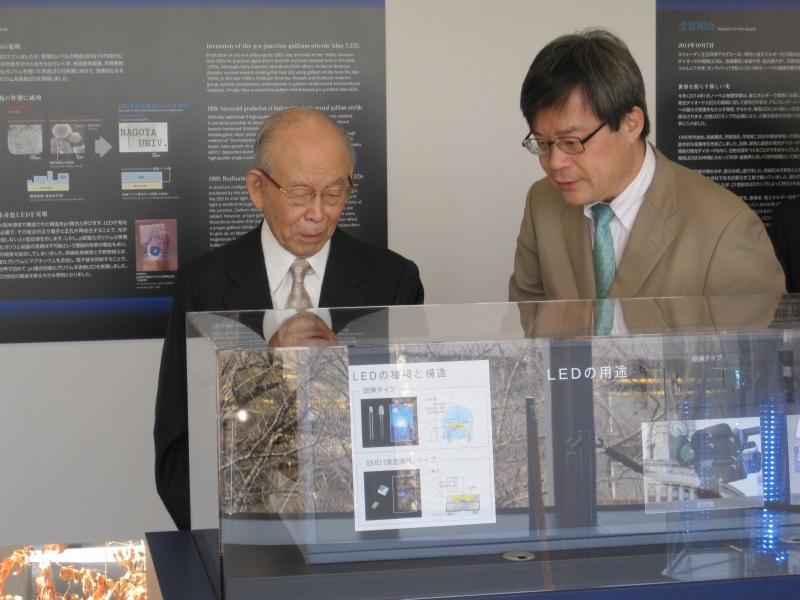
[(691, 237), (785, 233), (233, 277)]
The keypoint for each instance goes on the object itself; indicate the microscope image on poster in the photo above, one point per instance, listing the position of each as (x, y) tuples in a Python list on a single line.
[(388, 422), (25, 139), (703, 464), (68, 139), (392, 494)]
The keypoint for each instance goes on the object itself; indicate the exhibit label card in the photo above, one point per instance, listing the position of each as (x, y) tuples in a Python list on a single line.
[(422, 444)]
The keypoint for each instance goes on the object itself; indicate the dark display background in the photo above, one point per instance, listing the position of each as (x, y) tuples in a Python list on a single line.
[(57, 66), (728, 94)]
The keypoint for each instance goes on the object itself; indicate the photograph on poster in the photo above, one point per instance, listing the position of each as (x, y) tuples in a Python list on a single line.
[(156, 242), (143, 137), (68, 138), (389, 422), (392, 494), (702, 464)]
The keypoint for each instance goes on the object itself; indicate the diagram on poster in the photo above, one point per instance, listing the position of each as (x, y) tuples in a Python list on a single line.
[(422, 445)]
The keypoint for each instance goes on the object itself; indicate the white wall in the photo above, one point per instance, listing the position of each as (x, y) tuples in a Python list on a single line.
[(75, 447), (457, 171), (76, 429)]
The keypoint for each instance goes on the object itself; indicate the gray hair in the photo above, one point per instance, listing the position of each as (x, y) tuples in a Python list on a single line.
[(273, 124)]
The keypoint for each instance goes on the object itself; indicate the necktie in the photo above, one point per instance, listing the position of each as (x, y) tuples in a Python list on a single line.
[(298, 296), (605, 267), (604, 316)]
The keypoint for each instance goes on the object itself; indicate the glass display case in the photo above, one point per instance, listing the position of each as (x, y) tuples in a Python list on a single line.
[(453, 450)]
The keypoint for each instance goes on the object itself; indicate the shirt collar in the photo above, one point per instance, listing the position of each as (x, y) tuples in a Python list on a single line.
[(626, 204), (278, 259)]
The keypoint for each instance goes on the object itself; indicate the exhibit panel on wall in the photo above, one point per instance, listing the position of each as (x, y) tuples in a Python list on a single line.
[(128, 129), (728, 101)]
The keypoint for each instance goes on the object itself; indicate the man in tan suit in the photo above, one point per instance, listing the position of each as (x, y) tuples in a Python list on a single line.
[(669, 231)]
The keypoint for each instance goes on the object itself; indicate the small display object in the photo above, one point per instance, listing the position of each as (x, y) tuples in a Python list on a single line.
[(440, 439), (74, 571)]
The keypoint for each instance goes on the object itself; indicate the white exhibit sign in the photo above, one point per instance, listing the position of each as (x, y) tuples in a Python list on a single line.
[(422, 444)]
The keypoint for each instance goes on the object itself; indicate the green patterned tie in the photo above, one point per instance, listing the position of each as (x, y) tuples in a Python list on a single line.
[(604, 316), (605, 267)]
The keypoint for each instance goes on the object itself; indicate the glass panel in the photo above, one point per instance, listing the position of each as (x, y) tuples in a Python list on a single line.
[(447, 445)]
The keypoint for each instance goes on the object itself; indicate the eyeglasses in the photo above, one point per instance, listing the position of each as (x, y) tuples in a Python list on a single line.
[(303, 195), (567, 144)]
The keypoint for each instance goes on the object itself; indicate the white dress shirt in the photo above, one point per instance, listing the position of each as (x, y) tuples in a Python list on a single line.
[(278, 259), (625, 207), (627, 204)]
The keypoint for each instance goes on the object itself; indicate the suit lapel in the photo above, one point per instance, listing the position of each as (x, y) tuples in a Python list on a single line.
[(248, 275), (650, 236), (343, 274), (577, 237)]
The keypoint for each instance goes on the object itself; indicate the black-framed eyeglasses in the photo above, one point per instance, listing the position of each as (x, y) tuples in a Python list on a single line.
[(303, 195), (568, 144)]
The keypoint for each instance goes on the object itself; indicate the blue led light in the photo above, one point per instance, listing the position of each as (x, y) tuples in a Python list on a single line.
[(766, 539)]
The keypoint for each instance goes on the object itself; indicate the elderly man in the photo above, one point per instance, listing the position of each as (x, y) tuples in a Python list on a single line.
[(296, 258), (614, 217)]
